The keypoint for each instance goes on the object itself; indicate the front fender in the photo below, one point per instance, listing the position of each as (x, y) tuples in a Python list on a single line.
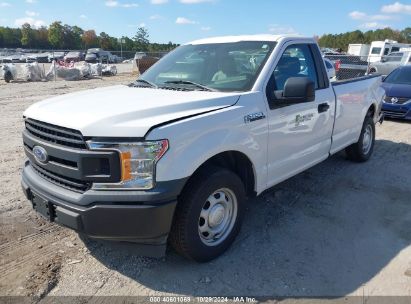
[(195, 140)]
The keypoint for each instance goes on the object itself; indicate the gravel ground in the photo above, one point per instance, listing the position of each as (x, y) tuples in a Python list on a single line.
[(337, 229)]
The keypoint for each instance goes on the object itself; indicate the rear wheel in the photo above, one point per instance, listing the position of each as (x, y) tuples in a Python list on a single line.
[(361, 151), (208, 215)]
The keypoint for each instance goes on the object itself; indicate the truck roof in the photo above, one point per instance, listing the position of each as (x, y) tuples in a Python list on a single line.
[(228, 39)]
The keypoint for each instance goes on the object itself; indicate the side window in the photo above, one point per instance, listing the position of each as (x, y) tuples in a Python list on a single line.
[(386, 51), (296, 61)]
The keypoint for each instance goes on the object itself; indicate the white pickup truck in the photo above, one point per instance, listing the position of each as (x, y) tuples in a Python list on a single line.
[(175, 155)]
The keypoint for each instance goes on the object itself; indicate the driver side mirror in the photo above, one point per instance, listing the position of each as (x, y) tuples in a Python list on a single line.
[(298, 89)]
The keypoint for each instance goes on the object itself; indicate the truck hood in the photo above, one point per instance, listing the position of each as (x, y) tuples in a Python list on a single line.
[(122, 111)]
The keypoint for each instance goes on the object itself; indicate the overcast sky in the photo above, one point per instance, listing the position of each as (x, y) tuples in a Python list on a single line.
[(184, 20)]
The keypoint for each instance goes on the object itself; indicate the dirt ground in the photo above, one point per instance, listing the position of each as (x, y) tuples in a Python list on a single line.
[(338, 229)]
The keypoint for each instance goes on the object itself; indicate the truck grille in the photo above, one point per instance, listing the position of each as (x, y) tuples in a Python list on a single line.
[(70, 164), (400, 100), (65, 182), (55, 134)]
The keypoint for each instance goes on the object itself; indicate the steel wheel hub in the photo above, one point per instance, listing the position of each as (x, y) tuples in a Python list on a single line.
[(217, 217), (367, 140)]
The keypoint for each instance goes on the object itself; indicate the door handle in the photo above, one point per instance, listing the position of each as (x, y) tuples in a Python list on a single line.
[(323, 107)]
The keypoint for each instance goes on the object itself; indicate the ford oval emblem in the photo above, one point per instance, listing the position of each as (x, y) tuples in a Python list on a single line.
[(40, 154)]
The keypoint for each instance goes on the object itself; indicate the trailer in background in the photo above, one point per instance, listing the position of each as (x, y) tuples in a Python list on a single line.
[(359, 49)]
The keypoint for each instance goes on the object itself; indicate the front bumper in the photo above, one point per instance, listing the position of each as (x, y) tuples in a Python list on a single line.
[(397, 111), (108, 215)]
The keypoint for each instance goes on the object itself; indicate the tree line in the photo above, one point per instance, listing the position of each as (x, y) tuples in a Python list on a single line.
[(341, 41), (67, 37)]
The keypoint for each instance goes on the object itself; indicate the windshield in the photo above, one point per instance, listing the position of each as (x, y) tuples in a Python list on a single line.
[(221, 66), (399, 76)]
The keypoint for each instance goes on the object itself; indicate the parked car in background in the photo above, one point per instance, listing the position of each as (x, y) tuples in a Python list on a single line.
[(397, 86), (348, 66), (139, 55), (330, 68), (14, 58), (74, 56), (115, 59), (40, 58), (177, 152), (56, 56), (97, 55), (390, 62), (31, 58)]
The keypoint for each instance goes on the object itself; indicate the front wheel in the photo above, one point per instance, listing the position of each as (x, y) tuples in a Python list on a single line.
[(208, 215), (361, 151)]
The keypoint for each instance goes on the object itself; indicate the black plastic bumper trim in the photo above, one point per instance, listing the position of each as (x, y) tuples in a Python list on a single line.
[(147, 224)]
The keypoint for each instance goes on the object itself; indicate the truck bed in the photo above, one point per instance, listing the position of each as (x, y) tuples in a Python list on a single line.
[(353, 98)]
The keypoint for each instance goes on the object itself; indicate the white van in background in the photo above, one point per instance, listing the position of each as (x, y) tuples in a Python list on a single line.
[(383, 48)]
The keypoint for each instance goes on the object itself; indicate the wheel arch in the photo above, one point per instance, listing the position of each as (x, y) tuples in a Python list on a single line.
[(235, 161), (371, 110), (373, 69)]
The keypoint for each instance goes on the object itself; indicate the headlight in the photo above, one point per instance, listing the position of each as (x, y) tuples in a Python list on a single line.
[(137, 160)]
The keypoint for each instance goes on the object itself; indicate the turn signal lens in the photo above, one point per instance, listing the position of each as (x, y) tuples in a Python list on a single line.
[(125, 158)]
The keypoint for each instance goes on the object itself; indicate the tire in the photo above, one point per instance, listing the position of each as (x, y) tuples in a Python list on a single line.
[(204, 203), (8, 77), (372, 71), (362, 150)]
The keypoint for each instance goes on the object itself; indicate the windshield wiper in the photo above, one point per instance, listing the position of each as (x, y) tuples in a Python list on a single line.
[(145, 82), (203, 87)]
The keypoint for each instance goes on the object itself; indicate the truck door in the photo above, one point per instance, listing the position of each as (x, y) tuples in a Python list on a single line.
[(299, 133)]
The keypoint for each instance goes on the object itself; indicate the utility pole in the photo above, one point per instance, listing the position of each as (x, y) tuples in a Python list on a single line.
[(121, 40)]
